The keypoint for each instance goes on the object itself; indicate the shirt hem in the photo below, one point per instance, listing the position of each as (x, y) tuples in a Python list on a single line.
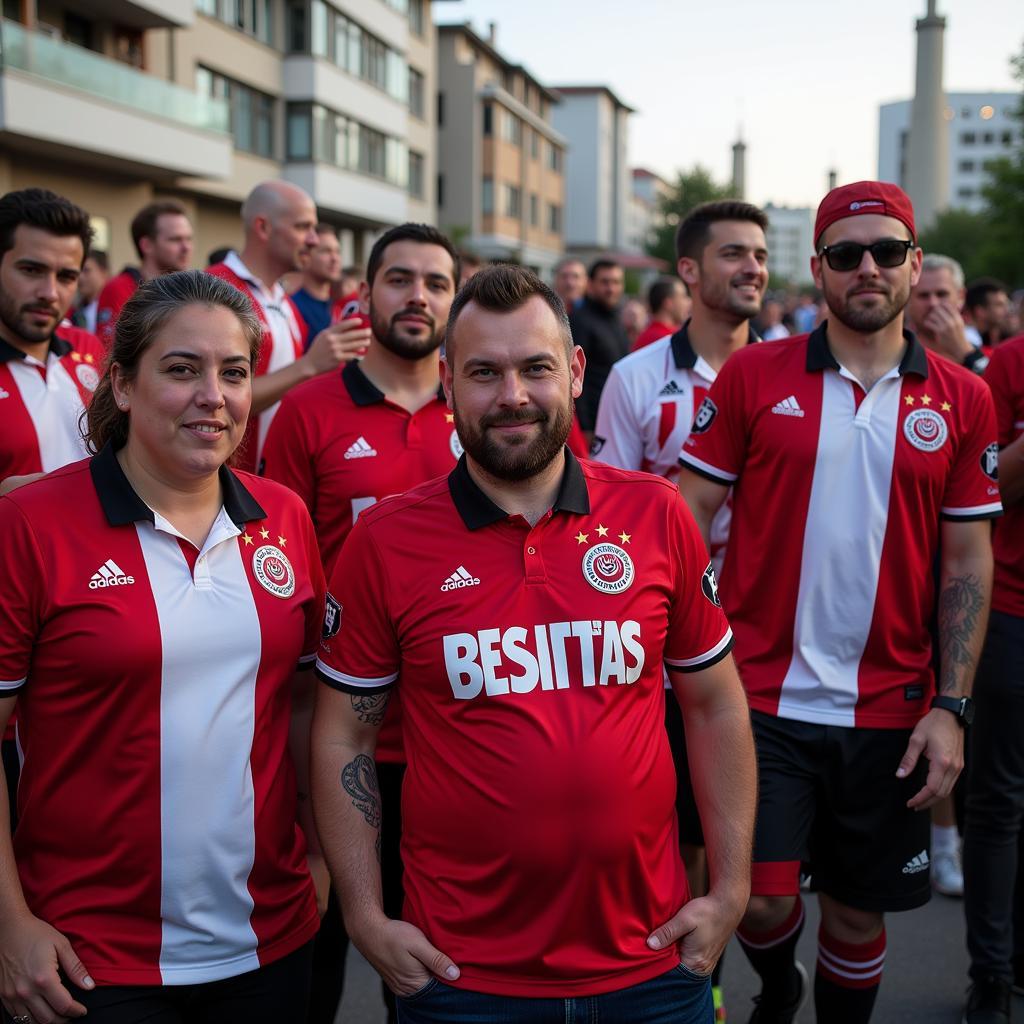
[(502, 985), (853, 719)]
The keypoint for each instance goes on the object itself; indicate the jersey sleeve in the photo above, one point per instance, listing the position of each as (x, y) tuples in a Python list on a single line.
[(717, 444), (315, 609), (1001, 380), (21, 610), (108, 307), (972, 490), (698, 632), (359, 648), (286, 455), (617, 435)]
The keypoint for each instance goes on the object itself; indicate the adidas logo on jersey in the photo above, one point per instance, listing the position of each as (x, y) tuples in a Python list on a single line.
[(4, 394), (459, 579), (109, 574), (916, 864), (360, 449), (788, 407), (671, 388)]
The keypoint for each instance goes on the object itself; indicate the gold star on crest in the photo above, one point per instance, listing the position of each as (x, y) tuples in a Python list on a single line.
[(264, 533), (582, 538), (946, 407), (247, 539), (909, 399), (926, 399), (76, 357), (88, 357), (602, 531), (625, 537), (281, 542), (449, 417)]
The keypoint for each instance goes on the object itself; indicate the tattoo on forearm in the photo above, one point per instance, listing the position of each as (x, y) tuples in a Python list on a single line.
[(960, 605), (370, 707), (359, 777)]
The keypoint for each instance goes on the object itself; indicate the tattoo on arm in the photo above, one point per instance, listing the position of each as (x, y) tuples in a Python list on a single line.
[(359, 778), (960, 605), (370, 707)]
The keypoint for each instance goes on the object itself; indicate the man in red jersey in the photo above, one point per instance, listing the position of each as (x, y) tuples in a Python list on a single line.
[(346, 440), (280, 228), (162, 234), (670, 306), (858, 457), (525, 606), (995, 789)]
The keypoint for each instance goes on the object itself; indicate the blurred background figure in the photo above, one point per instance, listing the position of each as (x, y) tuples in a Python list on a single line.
[(772, 327), (471, 264), (570, 282), (94, 275), (635, 320), (670, 306), (987, 312), (321, 272)]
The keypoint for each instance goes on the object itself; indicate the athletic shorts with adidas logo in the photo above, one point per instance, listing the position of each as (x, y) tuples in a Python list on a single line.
[(830, 802)]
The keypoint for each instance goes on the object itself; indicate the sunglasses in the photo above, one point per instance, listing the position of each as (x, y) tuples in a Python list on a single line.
[(888, 253)]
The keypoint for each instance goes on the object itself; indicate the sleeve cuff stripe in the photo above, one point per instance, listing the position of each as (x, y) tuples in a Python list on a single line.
[(12, 684), (332, 675), (703, 660), (307, 659), (994, 508), (719, 476)]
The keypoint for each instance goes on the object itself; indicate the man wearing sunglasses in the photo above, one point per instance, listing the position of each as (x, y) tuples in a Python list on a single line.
[(858, 458)]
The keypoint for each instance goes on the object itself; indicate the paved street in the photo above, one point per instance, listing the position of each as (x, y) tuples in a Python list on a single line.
[(925, 979)]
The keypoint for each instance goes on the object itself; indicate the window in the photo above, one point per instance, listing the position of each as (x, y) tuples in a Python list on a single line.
[(534, 209), (251, 112), (554, 158), (1007, 138), (440, 109), (253, 17), (535, 144), (965, 166), (416, 174), (965, 193), (511, 128), (487, 195), (513, 201), (440, 190), (988, 138), (417, 17), (417, 98), (372, 149), (299, 134), (967, 138), (488, 119), (554, 219)]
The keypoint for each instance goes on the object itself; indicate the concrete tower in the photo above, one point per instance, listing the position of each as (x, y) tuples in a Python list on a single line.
[(739, 169), (927, 180)]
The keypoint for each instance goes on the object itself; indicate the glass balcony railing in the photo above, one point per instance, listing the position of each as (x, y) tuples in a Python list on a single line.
[(106, 79)]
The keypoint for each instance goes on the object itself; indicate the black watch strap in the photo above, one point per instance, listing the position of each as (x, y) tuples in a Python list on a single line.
[(976, 361), (962, 707)]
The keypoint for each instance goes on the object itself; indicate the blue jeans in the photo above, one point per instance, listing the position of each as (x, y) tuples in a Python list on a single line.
[(679, 996)]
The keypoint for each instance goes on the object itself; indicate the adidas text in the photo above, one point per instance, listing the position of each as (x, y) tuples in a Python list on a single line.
[(788, 407), (916, 864), (459, 579), (109, 574)]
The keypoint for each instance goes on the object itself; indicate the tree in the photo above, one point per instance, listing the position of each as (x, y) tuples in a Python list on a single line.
[(692, 188), (962, 235)]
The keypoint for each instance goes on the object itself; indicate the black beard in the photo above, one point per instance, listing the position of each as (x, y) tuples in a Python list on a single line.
[(386, 332)]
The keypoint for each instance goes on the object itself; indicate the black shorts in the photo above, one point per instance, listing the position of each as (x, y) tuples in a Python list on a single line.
[(690, 831), (830, 799)]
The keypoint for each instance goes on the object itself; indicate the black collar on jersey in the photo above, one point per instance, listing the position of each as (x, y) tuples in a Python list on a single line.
[(682, 348), (819, 355), (58, 346), (477, 510), (122, 505), (362, 390)]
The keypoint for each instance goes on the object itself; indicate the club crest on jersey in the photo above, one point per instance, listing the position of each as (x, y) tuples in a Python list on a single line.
[(87, 376), (455, 444), (606, 567), (990, 462), (332, 618), (926, 430), (709, 585), (271, 567), (705, 416)]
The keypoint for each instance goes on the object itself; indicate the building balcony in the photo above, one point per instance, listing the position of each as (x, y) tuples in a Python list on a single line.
[(54, 95), (145, 13)]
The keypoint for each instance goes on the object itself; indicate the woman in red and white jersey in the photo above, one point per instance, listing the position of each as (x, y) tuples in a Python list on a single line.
[(157, 606)]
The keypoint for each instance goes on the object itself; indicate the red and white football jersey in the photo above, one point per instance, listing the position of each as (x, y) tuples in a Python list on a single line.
[(1005, 377), (342, 446), (157, 800), (837, 497), (539, 839), (41, 404), (115, 293)]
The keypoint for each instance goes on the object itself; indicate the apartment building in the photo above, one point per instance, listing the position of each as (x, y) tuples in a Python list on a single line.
[(113, 103), (501, 165)]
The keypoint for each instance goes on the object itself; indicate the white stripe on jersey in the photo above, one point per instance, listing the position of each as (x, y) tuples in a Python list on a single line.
[(54, 405), (844, 532), (207, 812), (347, 680)]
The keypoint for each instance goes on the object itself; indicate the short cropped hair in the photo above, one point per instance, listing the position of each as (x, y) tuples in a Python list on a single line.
[(504, 288), (936, 261), (978, 291), (40, 208), (603, 263), (424, 234), (661, 291), (694, 230), (144, 223)]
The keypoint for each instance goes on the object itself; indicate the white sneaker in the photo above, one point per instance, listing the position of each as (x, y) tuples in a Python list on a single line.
[(947, 874)]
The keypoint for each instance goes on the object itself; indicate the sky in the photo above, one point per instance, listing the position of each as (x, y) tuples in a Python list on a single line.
[(802, 79)]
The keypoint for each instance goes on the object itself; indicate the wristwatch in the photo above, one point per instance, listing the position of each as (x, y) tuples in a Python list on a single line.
[(962, 707), (976, 361)]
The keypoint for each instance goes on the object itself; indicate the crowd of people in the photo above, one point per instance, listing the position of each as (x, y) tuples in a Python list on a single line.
[(535, 638)]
